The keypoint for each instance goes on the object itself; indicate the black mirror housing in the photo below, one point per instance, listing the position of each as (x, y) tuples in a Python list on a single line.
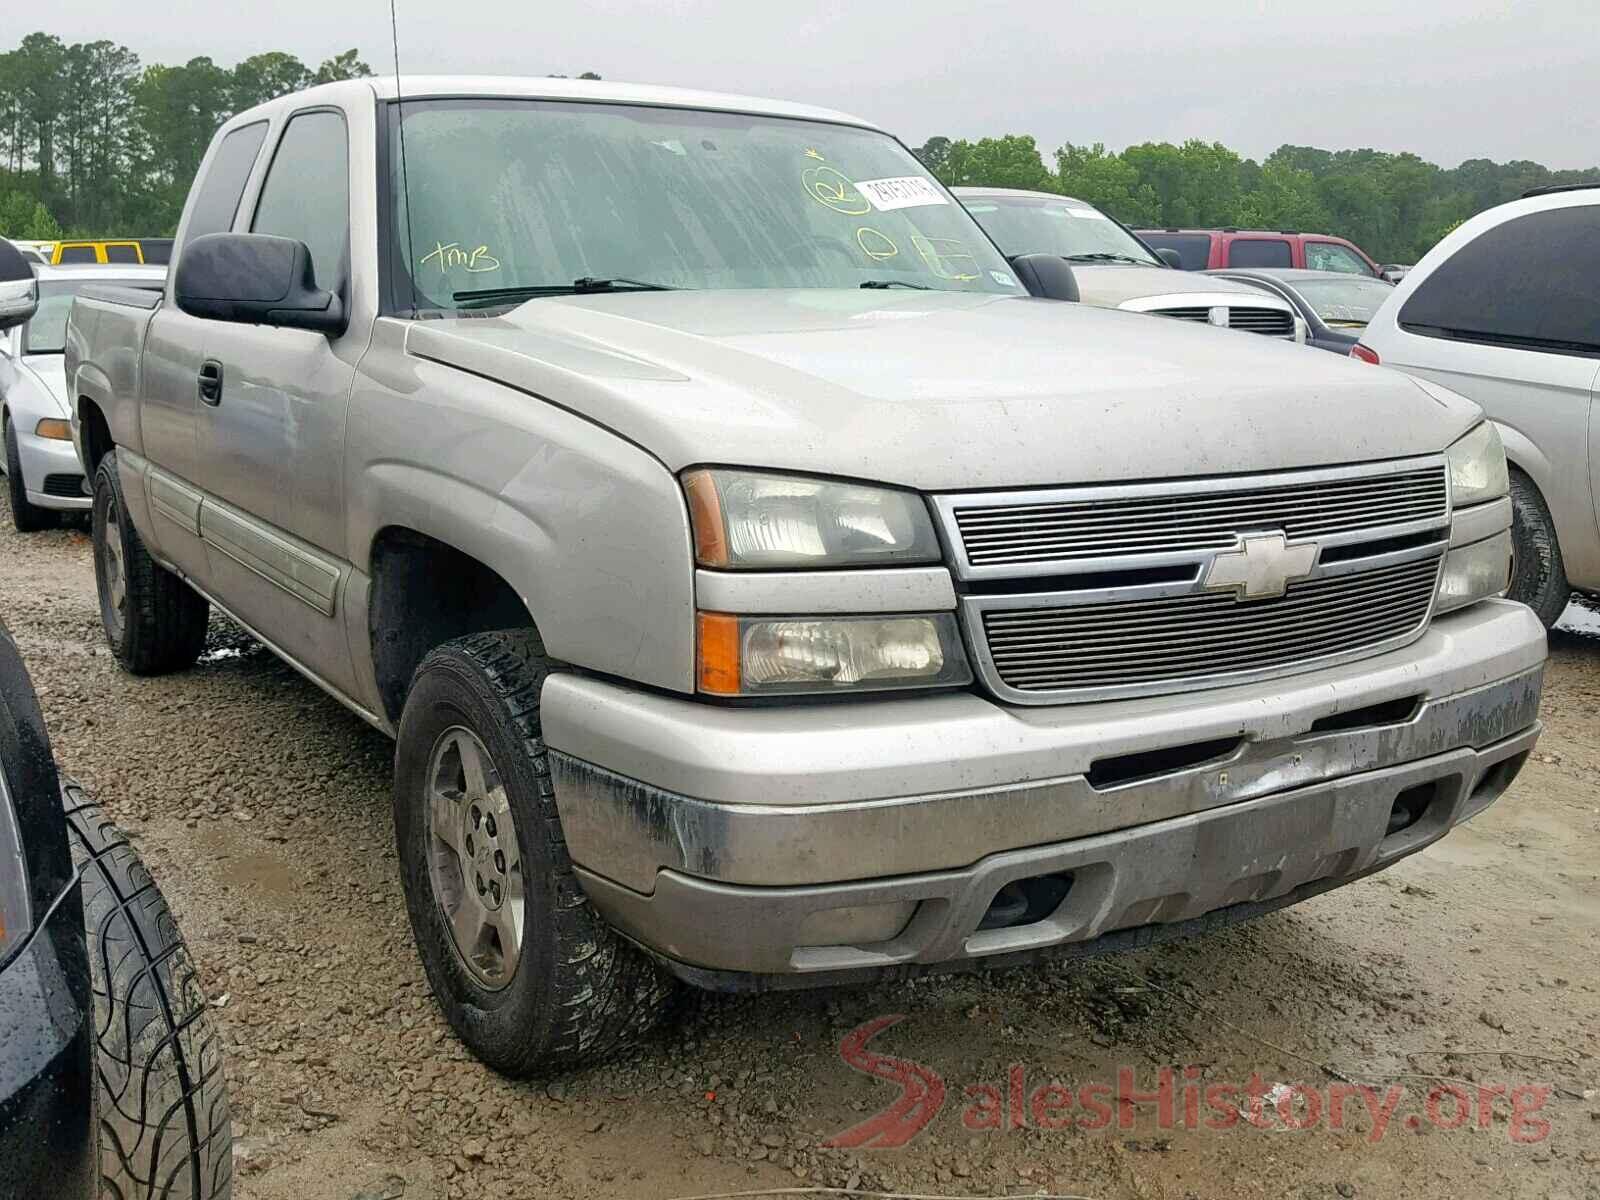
[(1047, 275), (1170, 256), (255, 279)]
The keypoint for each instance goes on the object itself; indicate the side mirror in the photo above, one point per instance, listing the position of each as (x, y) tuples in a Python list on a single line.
[(1046, 275), (1170, 256), (19, 300), (255, 279)]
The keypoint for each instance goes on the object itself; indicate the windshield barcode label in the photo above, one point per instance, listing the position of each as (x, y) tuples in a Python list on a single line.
[(907, 191)]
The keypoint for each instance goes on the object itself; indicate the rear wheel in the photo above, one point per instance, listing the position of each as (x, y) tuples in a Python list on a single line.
[(154, 622), (524, 968), (1538, 577), (25, 515), (162, 1103)]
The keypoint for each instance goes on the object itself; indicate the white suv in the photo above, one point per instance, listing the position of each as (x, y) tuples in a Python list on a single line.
[(1506, 310)]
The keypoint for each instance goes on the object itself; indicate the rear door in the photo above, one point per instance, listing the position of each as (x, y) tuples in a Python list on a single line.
[(173, 352), (271, 444), (1245, 251)]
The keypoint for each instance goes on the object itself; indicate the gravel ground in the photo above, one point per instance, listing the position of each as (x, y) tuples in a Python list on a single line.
[(262, 807)]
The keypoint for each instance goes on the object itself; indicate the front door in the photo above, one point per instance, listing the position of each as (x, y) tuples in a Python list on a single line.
[(270, 434)]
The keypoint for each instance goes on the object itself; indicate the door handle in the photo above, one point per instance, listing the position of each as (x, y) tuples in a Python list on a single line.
[(211, 382)]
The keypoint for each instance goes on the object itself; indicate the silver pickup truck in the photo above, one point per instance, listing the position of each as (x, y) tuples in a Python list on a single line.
[(764, 589)]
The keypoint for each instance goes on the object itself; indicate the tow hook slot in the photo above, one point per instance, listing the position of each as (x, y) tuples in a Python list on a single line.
[(1148, 764), (1409, 807), (1025, 901)]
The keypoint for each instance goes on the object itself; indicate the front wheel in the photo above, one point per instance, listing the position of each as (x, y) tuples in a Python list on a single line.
[(154, 622), (1538, 576), (527, 973), (27, 516)]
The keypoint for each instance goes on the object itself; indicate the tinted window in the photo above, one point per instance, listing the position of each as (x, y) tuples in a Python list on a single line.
[(1330, 256), (156, 250), (76, 254), (1532, 281), (1070, 228), (223, 185), (307, 193), (1259, 252), (122, 253), (1194, 249)]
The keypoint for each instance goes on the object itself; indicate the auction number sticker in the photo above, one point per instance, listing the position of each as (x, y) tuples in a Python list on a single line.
[(905, 191)]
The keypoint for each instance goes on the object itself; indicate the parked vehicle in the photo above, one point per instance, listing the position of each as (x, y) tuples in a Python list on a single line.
[(43, 475), (122, 251), (653, 507), (1114, 269), (1335, 308), (1210, 249), (1394, 272), (1506, 310)]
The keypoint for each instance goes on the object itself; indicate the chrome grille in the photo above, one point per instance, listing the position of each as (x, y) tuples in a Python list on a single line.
[(1201, 314), (1272, 322), (1117, 522), (1204, 638)]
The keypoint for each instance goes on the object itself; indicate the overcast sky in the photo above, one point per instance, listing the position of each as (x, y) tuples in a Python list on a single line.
[(1448, 79)]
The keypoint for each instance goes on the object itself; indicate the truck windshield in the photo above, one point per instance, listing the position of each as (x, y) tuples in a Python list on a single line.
[(1070, 228), (516, 197), (1348, 300), (46, 330)]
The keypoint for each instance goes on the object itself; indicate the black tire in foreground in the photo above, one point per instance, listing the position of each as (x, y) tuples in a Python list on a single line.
[(154, 622), (25, 515), (1538, 578), (162, 1104), (553, 985)]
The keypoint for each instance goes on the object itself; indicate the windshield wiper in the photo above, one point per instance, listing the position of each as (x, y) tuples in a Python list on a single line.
[(894, 283), (1100, 256), (578, 287)]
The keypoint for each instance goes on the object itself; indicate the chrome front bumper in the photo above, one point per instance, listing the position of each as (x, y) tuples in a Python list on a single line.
[(774, 841)]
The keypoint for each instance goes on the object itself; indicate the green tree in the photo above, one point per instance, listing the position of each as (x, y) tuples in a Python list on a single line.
[(263, 77), (1107, 181), (1011, 161), (342, 66), (935, 155)]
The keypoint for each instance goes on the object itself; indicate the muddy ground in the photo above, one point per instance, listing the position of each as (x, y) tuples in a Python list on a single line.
[(263, 809)]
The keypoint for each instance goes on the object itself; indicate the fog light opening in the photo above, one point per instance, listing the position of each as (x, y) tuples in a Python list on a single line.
[(1026, 901), (1409, 806)]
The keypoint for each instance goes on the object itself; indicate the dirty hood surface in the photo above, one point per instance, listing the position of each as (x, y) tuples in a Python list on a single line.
[(942, 390)]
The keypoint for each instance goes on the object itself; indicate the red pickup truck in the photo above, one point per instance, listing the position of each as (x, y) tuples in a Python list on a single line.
[(1209, 249)]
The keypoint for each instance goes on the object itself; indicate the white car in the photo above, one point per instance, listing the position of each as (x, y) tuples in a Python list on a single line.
[(1114, 269), (43, 475), (1506, 311)]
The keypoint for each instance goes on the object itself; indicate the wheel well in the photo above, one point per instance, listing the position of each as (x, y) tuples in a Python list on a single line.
[(96, 434), (425, 593)]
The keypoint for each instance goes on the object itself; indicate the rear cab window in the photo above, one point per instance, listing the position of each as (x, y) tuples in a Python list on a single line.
[(223, 185), (1260, 252), (1194, 249), (76, 254), (122, 252), (1532, 283)]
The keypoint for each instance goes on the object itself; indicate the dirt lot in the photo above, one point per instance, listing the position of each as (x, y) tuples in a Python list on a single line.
[(263, 809)]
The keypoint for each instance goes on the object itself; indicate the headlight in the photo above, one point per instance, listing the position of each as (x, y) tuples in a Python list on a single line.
[(1475, 572), (15, 914), (752, 656), (1478, 467), (751, 519)]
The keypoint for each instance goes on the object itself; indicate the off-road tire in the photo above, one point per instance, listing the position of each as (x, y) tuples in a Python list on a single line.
[(164, 619), (161, 1100), (1538, 577), (579, 992), (25, 515)]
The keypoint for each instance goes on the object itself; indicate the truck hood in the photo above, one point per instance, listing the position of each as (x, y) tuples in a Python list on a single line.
[(942, 390), (1110, 285)]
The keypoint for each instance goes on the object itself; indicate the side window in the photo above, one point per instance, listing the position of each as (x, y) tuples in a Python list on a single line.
[(307, 192), (121, 252), (218, 198), (1330, 256), (1194, 249), (1259, 252), (75, 254), (1532, 282)]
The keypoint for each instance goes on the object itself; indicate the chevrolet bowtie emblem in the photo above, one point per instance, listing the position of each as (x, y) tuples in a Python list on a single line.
[(1263, 566)]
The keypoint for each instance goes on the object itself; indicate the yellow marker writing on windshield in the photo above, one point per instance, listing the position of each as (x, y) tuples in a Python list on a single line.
[(831, 189), (450, 254)]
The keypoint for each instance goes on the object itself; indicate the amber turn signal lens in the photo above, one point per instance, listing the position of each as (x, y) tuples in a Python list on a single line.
[(717, 653), (705, 517), (55, 429)]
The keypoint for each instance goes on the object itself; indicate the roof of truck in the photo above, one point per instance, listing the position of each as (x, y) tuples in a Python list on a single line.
[(433, 87)]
